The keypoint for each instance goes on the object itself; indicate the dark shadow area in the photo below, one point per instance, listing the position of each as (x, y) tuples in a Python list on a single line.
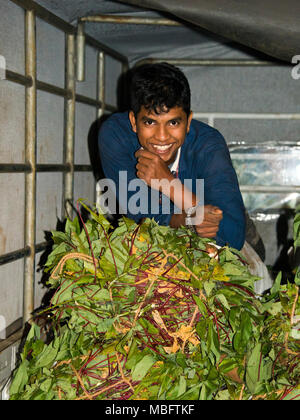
[(288, 258)]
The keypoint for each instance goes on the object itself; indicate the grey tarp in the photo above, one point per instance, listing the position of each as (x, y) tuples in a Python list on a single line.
[(269, 26)]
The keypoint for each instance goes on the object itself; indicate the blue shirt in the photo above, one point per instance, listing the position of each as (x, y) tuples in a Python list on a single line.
[(204, 155)]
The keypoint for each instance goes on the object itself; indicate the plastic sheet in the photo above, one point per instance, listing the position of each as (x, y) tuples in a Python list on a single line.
[(268, 165), (257, 268)]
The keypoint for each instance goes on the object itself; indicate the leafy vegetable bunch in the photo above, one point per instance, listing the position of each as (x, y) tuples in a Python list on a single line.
[(149, 312)]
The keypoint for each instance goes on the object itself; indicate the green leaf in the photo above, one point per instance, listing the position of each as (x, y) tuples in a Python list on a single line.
[(274, 308), (252, 369), (297, 277), (223, 300), (20, 378), (142, 368), (227, 365), (200, 305), (231, 269), (276, 286), (99, 218), (181, 386), (243, 333), (72, 226), (48, 356), (46, 385), (213, 340), (105, 324)]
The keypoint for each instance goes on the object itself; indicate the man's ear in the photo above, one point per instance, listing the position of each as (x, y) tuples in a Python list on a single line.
[(132, 120), (190, 117)]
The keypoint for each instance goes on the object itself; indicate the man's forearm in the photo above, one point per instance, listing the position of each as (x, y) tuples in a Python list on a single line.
[(181, 196)]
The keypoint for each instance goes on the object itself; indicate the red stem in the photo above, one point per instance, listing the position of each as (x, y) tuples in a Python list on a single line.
[(88, 238)]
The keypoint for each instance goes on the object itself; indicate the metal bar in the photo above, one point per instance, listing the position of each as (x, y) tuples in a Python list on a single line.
[(67, 167), (211, 62), (44, 14), (88, 101), (83, 168), (14, 256), (21, 253), (80, 52), (15, 168), (240, 115), (101, 83), (110, 108), (66, 27), (30, 157), (55, 90), (48, 167), (18, 78), (11, 340), (131, 20), (69, 129), (270, 189)]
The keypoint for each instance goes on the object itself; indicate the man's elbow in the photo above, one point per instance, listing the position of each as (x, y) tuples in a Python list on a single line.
[(233, 235)]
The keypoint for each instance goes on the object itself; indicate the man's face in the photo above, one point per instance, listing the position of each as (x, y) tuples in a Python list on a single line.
[(162, 134)]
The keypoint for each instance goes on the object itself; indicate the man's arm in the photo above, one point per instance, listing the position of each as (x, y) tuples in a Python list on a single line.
[(153, 170), (221, 189)]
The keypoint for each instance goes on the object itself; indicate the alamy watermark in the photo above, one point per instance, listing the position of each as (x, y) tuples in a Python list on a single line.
[(134, 196), (296, 69), (2, 327), (2, 68)]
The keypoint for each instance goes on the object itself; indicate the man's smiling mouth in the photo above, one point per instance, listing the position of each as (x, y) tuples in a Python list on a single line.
[(162, 149)]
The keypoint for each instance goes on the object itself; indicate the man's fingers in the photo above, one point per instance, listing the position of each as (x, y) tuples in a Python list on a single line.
[(207, 229), (215, 210), (142, 153), (141, 167), (207, 233), (210, 224)]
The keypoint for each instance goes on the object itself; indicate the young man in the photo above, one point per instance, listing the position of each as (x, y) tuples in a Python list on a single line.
[(159, 143)]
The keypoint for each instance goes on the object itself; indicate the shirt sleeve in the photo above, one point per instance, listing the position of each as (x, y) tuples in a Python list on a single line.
[(221, 189), (117, 147)]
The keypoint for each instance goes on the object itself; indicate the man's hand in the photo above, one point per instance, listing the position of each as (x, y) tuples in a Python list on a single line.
[(151, 167), (211, 221)]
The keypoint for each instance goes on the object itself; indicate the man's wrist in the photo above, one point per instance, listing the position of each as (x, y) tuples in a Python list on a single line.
[(190, 214)]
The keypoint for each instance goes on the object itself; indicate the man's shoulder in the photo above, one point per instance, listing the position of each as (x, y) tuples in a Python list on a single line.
[(204, 134), (116, 121), (116, 131)]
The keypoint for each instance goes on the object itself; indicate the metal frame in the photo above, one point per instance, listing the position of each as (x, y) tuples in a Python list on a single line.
[(30, 168), (75, 46), (132, 20)]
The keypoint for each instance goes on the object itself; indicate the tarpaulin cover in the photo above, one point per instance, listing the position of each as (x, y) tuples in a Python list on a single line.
[(268, 26)]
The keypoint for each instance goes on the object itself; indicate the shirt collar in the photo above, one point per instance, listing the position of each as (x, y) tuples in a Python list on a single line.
[(174, 166)]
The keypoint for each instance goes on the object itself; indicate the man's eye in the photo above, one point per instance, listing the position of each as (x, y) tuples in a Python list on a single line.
[(174, 123), (149, 122)]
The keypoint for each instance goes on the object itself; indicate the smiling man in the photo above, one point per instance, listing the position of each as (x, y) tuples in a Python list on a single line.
[(159, 143)]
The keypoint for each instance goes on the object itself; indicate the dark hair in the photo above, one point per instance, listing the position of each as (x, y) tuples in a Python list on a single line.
[(159, 87)]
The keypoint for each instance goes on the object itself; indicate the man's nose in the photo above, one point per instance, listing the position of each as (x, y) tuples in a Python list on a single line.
[(161, 133)]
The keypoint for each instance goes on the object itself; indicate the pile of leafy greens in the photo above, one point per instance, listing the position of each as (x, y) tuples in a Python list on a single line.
[(154, 313)]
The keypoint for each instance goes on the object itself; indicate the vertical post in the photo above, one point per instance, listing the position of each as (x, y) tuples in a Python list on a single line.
[(30, 157), (69, 134), (80, 52), (101, 82), (100, 110)]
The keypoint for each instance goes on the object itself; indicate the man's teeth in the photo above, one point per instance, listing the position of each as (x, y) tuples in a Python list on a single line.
[(162, 148)]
